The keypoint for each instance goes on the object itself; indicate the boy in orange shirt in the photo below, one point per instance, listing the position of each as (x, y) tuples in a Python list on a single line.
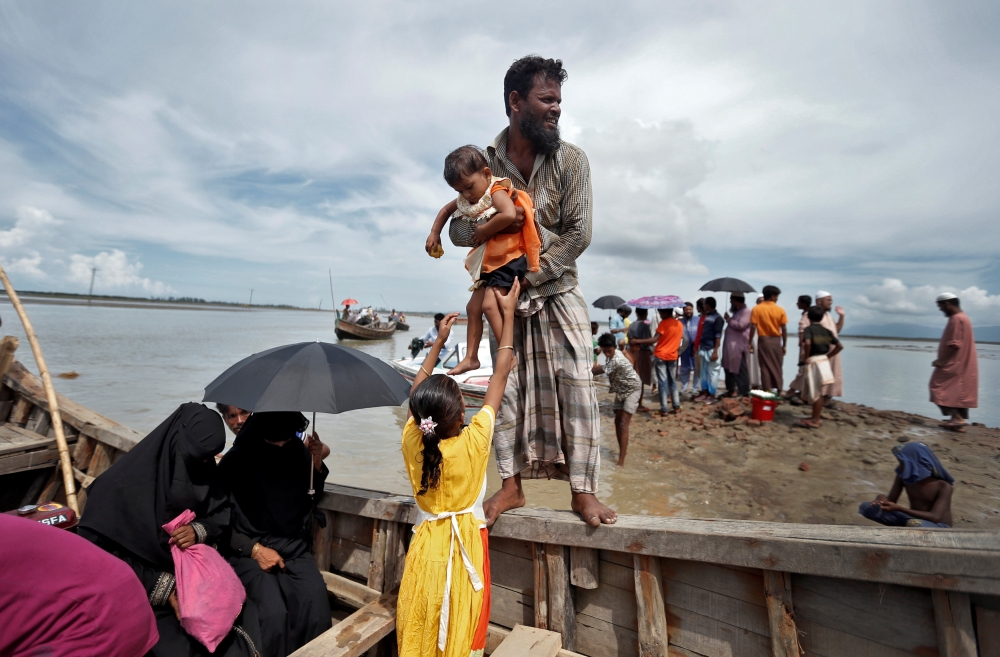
[(668, 341)]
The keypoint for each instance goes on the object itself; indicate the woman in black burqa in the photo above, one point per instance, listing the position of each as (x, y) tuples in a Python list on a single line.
[(267, 475), (168, 471)]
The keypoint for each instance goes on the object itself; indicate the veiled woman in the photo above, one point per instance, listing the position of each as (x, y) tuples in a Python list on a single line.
[(170, 470), (267, 473)]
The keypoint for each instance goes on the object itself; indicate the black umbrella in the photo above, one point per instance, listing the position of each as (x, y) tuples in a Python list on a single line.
[(727, 284), (309, 376), (609, 302)]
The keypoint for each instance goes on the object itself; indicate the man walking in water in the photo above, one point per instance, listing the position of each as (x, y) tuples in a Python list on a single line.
[(549, 423)]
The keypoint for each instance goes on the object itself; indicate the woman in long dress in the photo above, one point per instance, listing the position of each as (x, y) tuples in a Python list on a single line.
[(170, 470), (267, 473), (444, 601)]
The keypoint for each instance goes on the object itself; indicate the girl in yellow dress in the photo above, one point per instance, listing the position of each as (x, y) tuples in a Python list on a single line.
[(444, 599)]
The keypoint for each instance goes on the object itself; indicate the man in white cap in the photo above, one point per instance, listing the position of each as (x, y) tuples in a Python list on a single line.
[(955, 382), (825, 301)]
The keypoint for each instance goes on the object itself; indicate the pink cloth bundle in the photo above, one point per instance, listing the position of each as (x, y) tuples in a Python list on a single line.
[(209, 593)]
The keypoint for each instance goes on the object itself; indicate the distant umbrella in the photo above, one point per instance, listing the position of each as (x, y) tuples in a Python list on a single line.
[(349, 302), (658, 302), (309, 376), (609, 302), (727, 285)]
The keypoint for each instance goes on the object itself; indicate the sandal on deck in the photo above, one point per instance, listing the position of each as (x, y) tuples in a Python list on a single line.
[(805, 423)]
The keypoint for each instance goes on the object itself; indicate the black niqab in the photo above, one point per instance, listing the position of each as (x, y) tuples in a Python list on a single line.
[(270, 483), (168, 471)]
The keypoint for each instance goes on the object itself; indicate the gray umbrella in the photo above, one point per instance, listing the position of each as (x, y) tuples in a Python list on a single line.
[(727, 285), (309, 376), (609, 302)]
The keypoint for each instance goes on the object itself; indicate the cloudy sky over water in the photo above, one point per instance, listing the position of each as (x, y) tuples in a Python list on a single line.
[(203, 149)]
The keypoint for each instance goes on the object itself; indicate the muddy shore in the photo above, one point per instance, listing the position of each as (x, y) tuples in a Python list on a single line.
[(741, 469)]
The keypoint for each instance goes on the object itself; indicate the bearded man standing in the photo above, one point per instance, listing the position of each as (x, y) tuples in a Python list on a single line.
[(549, 423)]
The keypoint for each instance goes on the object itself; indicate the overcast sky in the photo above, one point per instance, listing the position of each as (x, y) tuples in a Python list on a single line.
[(203, 149)]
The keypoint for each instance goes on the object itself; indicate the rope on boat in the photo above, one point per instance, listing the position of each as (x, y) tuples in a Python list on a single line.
[(50, 393)]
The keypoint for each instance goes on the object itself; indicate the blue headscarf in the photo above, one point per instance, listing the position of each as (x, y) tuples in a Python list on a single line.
[(917, 462)]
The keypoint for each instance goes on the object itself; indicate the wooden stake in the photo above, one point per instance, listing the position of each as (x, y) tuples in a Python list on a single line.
[(652, 610), (780, 614), (50, 393)]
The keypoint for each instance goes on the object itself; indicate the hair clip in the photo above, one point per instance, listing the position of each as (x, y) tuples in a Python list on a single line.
[(427, 426)]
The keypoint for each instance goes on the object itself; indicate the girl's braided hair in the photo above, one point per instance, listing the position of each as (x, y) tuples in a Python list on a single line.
[(437, 398)]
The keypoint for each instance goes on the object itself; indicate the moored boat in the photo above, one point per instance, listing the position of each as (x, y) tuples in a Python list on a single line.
[(646, 585), (346, 330), (473, 384), (402, 326)]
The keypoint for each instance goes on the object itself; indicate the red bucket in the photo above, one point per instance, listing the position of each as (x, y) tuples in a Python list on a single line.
[(763, 409)]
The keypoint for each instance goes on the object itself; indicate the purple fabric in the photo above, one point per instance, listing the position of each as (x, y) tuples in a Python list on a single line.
[(62, 595), (209, 593), (737, 341)]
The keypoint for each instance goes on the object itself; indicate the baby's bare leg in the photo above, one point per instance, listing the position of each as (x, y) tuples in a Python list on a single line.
[(492, 310), (474, 332)]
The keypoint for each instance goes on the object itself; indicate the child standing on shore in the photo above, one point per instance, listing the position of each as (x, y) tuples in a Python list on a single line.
[(444, 598), (626, 386), (501, 258)]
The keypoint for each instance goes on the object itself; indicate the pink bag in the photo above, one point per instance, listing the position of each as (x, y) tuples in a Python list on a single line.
[(209, 593)]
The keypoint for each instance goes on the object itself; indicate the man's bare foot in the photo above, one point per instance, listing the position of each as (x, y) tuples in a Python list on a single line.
[(466, 365), (507, 498), (593, 512), (643, 409), (621, 462), (808, 423)]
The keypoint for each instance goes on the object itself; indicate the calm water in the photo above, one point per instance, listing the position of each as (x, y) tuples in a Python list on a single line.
[(137, 365)]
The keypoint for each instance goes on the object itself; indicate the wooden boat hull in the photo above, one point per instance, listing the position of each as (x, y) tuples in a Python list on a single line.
[(402, 326), (645, 585), (473, 395), (351, 331)]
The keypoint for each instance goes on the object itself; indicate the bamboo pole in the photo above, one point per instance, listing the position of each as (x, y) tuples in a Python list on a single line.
[(50, 393)]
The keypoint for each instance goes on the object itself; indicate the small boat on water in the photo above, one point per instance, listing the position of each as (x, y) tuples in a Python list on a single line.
[(402, 326), (646, 585), (347, 330), (473, 384)]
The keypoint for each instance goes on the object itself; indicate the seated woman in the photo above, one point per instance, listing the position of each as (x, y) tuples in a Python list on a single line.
[(170, 470), (267, 472)]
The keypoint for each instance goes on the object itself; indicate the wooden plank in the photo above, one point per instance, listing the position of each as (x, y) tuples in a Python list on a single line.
[(610, 604), (39, 458), (896, 616), (321, 540), (730, 582), (83, 452), (84, 479), (514, 548), (376, 567), (584, 567), (357, 633), (562, 614), (35, 488), (988, 631), (735, 612), (651, 611), (821, 641), (509, 608), (496, 634), (353, 528), (781, 613), (21, 410), (99, 461), (711, 637), (349, 557), (953, 616), (5, 407), (540, 581), (513, 572), (524, 641), (598, 638), (395, 554), (38, 422), (51, 487), (354, 594)]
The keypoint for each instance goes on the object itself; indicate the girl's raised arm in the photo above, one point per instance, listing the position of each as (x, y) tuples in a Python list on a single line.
[(444, 330), (505, 352)]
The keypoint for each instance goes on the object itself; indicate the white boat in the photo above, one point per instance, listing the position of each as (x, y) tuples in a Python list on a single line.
[(473, 383)]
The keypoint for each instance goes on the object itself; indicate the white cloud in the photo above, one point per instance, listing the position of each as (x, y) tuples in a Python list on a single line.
[(114, 272), (31, 227), (893, 299)]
